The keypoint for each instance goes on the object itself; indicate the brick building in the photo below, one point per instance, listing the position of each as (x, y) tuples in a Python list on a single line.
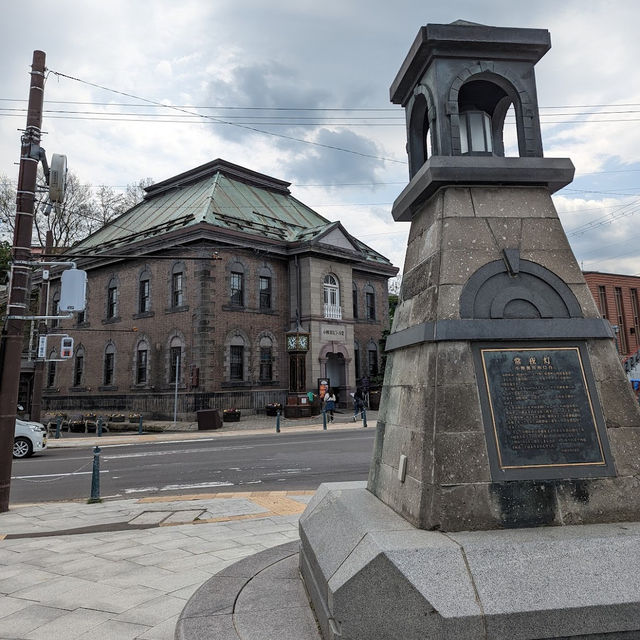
[(618, 300), (221, 278)]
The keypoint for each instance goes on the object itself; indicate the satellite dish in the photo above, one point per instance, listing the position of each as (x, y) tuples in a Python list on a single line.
[(57, 177)]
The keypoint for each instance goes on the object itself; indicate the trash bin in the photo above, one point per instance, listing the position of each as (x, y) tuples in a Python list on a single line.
[(208, 419), (374, 400)]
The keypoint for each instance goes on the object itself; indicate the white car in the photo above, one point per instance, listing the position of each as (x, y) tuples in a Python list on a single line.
[(29, 437)]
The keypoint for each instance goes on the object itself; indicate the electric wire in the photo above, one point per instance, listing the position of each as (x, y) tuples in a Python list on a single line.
[(233, 124)]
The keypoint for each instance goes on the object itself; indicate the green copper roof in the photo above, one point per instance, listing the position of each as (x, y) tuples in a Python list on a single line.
[(223, 195)]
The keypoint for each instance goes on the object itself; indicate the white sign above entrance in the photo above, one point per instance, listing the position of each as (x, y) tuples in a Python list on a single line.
[(329, 332)]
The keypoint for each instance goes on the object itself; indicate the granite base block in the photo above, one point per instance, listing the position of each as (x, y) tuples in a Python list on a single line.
[(379, 578)]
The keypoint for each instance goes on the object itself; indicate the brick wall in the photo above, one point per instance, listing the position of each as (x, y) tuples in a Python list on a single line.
[(618, 299)]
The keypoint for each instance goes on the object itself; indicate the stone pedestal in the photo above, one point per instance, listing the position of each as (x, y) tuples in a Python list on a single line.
[(371, 576)]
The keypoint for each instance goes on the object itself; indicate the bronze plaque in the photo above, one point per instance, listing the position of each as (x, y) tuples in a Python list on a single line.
[(541, 414)]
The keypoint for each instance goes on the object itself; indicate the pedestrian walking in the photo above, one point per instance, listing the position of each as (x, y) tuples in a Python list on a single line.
[(330, 403), (358, 403)]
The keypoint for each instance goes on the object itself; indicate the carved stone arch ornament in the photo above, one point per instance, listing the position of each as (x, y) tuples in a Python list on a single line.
[(517, 289)]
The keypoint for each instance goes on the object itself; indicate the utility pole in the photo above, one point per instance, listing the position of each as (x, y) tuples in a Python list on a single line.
[(19, 291)]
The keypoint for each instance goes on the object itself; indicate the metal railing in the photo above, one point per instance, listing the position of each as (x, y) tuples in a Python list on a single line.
[(332, 311)]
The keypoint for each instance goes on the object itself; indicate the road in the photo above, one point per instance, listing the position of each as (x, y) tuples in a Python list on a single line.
[(266, 462)]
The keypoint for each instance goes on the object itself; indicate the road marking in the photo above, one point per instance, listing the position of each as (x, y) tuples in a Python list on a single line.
[(58, 475), (224, 496), (173, 452), (176, 487)]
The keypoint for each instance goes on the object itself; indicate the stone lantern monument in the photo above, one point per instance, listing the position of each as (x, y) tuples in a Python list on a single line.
[(506, 453)]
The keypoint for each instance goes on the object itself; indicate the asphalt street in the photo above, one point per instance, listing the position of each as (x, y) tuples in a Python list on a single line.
[(264, 462)]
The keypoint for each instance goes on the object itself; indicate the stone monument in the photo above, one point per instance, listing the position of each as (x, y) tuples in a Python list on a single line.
[(503, 491)]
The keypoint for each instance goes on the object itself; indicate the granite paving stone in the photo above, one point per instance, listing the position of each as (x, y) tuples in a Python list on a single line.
[(114, 630), (69, 625), (163, 631), (22, 622), (153, 612), (127, 583)]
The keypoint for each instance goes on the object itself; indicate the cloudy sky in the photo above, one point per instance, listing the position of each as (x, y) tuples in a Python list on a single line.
[(300, 90)]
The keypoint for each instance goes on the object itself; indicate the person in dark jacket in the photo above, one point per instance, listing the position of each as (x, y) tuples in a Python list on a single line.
[(358, 403)]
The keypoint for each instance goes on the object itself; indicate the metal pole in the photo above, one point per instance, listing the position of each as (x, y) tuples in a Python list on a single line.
[(175, 397), (20, 275), (278, 421), (58, 425), (140, 426), (324, 419), (99, 427), (364, 417), (39, 366), (95, 478)]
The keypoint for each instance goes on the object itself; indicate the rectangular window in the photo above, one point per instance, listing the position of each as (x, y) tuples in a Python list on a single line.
[(266, 364), (51, 374), (77, 374), (371, 306), (175, 355), (265, 292), (622, 326), (81, 317), (635, 307), (112, 302), (602, 299), (355, 303), (144, 299), (177, 298), (109, 359), (356, 358), (236, 368), (141, 366), (373, 362)]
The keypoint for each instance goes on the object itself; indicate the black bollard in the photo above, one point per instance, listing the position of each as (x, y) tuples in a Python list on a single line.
[(278, 421), (99, 427), (324, 420), (140, 426), (58, 425), (364, 417), (95, 478)]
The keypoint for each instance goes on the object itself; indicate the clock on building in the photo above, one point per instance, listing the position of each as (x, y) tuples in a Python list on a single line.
[(297, 341)]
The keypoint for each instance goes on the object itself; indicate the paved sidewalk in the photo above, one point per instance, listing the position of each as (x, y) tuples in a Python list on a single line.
[(164, 431), (124, 569)]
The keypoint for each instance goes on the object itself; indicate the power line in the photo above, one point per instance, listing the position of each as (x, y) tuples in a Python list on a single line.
[(234, 124)]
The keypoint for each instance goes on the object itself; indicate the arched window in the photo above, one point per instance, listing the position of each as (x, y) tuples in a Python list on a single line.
[(78, 367), (51, 369), (236, 358), (372, 358), (177, 286), (265, 285), (55, 308), (112, 299), (236, 284), (175, 360), (332, 307), (355, 301), (144, 292), (109, 365), (142, 363), (266, 359), (356, 359), (370, 302)]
